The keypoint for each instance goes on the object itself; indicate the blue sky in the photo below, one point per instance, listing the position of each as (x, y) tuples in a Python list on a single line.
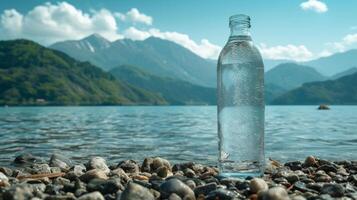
[(282, 29)]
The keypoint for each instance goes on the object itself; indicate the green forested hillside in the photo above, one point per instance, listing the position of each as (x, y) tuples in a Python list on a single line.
[(342, 91), (32, 74), (174, 91)]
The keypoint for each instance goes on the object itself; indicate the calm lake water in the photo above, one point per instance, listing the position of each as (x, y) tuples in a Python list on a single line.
[(179, 133)]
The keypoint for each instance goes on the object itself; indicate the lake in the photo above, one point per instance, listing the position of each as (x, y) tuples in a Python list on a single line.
[(178, 133)]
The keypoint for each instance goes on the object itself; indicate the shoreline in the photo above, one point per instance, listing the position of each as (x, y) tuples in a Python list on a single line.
[(156, 178)]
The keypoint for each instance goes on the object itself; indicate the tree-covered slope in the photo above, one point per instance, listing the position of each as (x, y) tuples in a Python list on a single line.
[(342, 91), (32, 74), (174, 91)]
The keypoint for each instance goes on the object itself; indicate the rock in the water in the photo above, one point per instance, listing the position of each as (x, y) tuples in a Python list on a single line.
[(275, 193), (92, 196), (135, 191), (310, 161), (26, 158), (98, 163), (129, 166), (92, 174), (257, 185), (334, 190), (174, 185), (60, 161), (328, 168)]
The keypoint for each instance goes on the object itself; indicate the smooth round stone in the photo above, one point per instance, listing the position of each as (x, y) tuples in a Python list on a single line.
[(323, 178), (191, 184), (92, 174), (145, 167), (6, 171), (223, 194), (40, 169), (257, 185), (292, 178), (162, 171), (174, 196), (205, 189), (189, 173), (129, 166), (310, 161), (174, 185), (328, 168), (334, 190), (159, 162), (135, 191), (275, 193), (98, 163), (60, 161), (3, 177), (92, 196), (104, 186)]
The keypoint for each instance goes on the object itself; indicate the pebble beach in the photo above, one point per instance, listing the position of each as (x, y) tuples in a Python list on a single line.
[(59, 178)]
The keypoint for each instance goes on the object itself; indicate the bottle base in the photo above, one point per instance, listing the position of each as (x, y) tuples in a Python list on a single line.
[(241, 169)]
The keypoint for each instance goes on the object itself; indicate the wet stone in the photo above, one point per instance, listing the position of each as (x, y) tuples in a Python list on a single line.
[(26, 158), (222, 194), (104, 186), (205, 189), (98, 163), (60, 161), (257, 185), (275, 193), (129, 166), (6, 171), (174, 185), (135, 191), (162, 171), (295, 165), (292, 178), (328, 168), (92, 196), (92, 174), (334, 190), (310, 161), (174, 196), (40, 169)]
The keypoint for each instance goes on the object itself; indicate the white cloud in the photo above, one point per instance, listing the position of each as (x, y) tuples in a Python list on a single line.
[(134, 15), (345, 43), (204, 49), (49, 23), (350, 39), (288, 52), (314, 5)]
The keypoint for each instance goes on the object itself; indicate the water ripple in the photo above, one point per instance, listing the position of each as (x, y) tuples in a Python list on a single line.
[(178, 133)]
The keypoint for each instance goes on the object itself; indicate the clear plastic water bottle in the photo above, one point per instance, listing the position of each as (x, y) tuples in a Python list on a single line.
[(240, 90)]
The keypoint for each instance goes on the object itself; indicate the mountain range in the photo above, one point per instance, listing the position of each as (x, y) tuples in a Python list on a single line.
[(175, 92), (160, 57), (31, 74), (342, 91)]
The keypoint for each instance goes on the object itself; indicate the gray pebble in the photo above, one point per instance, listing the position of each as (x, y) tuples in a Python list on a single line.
[(334, 190), (275, 193), (92, 196), (98, 163), (257, 185), (135, 191), (174, 185)]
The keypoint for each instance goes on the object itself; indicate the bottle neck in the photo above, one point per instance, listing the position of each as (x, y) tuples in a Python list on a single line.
[(240, 27)]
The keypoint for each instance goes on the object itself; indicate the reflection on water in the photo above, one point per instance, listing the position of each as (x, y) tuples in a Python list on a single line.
[(179, 133)]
